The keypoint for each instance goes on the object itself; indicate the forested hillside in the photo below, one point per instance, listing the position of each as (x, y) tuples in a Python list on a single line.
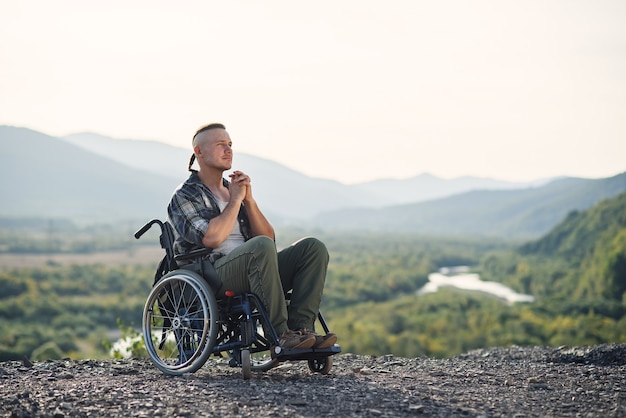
[(581, 262)]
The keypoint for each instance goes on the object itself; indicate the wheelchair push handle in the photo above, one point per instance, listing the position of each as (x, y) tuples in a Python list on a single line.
[(147, 226)]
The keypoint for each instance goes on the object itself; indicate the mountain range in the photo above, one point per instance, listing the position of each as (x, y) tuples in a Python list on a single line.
[(89, 177), (284, 192), (518, 214)]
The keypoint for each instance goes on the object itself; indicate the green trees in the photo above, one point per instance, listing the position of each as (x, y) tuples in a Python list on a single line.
[(577, 274), (11, 287), (586, 252), (68, 306)]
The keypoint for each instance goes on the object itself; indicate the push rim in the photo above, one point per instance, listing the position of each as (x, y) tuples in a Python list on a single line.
[(178, 323)]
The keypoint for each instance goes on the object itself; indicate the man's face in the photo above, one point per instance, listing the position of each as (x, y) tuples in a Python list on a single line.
[(214, 149)]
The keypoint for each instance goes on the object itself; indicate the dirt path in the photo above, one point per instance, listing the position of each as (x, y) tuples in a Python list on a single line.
[(511, 382)]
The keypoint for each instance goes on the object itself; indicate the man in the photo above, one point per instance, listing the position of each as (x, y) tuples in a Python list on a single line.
[(210, 211)]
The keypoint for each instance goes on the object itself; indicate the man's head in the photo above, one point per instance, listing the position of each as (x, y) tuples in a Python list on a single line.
[(212, 147), (199, 135)]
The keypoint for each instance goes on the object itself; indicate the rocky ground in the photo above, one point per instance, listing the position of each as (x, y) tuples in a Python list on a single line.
[(512, 382)]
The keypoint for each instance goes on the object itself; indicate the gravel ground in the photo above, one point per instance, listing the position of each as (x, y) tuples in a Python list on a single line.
[(511, 382)]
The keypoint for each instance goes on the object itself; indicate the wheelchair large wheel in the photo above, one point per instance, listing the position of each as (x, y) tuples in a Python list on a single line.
[(180, 322)]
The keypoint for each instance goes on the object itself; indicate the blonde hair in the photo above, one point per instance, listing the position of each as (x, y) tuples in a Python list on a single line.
[(206, 128)]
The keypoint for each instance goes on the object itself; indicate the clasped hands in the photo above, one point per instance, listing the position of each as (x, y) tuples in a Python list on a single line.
[(240, 187)]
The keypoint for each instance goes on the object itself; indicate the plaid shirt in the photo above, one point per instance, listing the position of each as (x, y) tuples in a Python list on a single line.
[(190, 210)]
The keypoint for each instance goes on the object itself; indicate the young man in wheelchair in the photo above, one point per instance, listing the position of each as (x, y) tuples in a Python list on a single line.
[(208, 211)]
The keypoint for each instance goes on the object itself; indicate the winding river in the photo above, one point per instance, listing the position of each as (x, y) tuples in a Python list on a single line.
[(460, 278)]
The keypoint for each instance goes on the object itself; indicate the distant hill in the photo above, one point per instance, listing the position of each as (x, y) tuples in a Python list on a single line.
[(284, 192), (150, 156), (580, 263), (428, 187), (44, 176), (582, 232), (520, 214), (593, 244), (87, 177)]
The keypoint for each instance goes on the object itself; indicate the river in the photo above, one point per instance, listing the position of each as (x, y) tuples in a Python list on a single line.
[(460, 278)]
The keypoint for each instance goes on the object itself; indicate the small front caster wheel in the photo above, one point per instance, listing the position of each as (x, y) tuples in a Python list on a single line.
[(246, 368), (321, 365)]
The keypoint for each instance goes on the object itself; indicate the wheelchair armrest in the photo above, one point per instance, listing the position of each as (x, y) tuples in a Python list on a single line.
[(200, 252)]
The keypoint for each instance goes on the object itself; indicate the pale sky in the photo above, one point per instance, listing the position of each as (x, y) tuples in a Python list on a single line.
[(351, 90)]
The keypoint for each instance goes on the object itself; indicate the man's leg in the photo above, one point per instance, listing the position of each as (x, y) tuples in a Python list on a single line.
[(302, 267), (253, 266)]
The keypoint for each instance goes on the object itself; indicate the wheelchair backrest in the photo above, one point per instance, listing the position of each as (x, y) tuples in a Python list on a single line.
[(194, 261), (168, 263)]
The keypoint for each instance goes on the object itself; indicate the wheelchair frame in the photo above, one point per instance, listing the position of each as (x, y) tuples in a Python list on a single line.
[(184, 321)]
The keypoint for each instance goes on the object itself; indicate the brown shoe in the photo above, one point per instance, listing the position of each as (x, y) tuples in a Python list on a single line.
[(321, 341), (296, 339)]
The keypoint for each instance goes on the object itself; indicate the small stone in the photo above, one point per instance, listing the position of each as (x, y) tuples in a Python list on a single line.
[(417, 408), (365, 370), (26, 362)]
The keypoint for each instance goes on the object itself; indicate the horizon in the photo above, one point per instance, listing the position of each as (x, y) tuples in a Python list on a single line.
[(349, 91)]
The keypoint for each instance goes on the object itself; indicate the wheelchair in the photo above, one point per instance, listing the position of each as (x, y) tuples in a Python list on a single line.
[(185, 322)]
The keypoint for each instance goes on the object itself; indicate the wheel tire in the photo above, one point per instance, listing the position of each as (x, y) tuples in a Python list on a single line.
[(246, 370), (179, 323), (321, 365)]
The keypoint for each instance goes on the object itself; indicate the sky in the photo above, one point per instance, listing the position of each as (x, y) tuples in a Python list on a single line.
[(350, 90)]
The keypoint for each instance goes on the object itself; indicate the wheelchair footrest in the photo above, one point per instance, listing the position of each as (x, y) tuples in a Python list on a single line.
[(288, 354)]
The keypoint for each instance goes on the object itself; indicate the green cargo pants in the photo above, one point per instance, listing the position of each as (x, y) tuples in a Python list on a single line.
[(256, 266)]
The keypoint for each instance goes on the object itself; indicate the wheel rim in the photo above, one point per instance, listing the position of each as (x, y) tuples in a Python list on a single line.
[(177, 323)]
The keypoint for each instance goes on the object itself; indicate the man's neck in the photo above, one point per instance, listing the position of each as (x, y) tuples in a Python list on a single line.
[(212, 179)]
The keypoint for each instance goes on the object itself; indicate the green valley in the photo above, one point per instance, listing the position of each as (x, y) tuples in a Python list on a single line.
[(577, 273)]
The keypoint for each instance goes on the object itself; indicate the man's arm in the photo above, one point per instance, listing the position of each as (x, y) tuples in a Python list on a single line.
[(259, 225), (221, 226)]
